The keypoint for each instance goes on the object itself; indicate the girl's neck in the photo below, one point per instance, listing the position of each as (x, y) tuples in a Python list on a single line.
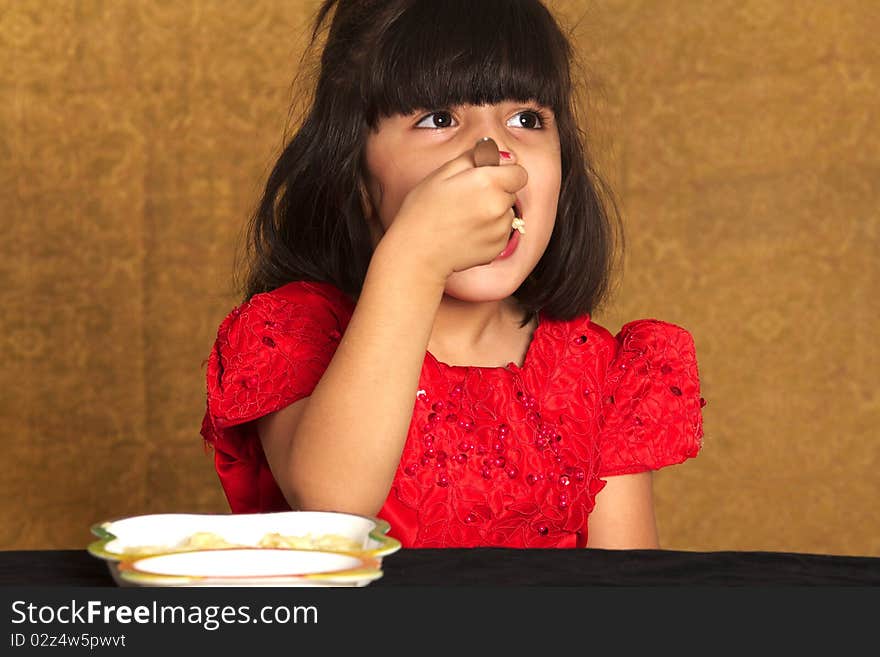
[(486, 334)]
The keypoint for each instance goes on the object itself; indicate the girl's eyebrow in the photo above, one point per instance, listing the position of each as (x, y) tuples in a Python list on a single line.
[(502, 103)]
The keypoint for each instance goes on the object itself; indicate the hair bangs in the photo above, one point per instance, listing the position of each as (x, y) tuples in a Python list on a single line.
[(441, 54)]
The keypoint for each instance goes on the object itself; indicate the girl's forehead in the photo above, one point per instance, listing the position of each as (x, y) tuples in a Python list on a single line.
[(460, 53), (501, 104)]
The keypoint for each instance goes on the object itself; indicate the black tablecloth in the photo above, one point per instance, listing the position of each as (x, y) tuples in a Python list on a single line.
[(515, 567)]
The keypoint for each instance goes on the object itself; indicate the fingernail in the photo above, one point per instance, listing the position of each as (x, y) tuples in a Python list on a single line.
[(504, 154)]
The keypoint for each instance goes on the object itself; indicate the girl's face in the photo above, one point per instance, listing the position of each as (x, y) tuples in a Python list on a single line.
[(405, 149)]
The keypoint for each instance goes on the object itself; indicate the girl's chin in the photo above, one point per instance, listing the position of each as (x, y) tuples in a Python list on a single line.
[(481, 284)]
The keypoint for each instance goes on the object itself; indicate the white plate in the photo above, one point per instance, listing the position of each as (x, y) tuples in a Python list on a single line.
[(167, 532), (251, 567)]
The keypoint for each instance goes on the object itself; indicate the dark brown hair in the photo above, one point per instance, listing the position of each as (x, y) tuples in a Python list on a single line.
[(383, 57)]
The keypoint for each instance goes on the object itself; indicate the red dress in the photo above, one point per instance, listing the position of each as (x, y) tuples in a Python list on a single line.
[(495, 456)]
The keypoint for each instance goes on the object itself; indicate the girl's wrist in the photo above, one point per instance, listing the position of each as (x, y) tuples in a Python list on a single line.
[(400, 254), (405, 259)]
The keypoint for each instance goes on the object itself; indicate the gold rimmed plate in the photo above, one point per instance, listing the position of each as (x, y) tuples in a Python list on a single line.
[(251, 567), (133, 538)]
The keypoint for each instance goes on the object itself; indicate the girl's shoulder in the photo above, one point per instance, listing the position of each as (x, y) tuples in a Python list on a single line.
[(310, 291), (639, 335), (645, 345), (298, 302)]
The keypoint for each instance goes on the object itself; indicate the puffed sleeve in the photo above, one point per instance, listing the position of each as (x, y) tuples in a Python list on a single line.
[(270, 352), (652, 408)]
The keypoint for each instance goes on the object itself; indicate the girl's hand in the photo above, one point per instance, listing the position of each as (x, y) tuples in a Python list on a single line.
[(460, 215)]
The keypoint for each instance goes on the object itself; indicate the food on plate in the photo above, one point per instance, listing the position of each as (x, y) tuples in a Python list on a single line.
[(309, 542), (213, 541)]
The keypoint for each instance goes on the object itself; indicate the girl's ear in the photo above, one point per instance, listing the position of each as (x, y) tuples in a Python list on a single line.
[(371, 214)]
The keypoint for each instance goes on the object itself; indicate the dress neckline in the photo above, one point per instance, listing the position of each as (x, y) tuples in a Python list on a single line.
[(512, 366)]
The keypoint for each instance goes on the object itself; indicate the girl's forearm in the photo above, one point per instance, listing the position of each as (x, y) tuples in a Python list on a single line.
[(348, 442)]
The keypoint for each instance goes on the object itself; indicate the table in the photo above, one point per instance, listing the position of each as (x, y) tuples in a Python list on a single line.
[(515, 567)]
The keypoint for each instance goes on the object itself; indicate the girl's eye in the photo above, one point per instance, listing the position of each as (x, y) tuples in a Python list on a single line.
[(528, 119), (440, 120), (443, 117)]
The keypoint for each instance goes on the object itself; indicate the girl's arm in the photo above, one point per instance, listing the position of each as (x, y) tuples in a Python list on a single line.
[(339, 448), (623, 518)]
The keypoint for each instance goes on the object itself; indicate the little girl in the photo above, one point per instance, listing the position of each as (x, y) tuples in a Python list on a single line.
[(415, 339)]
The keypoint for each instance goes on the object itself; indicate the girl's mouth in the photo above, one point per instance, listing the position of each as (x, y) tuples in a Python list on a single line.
[(518, 224), (512, 243)]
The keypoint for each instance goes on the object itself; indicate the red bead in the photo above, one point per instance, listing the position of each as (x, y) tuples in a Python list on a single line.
[(442, 479), (666, 369), (460, 458), (503, 430), (543, 530), (531, 479), (586, 392), (563, 500), (425, 460), (421, 394), (470, 518), (464, 445), (564, 480), (497, 446), (410, 470), (438, 406), (581, 339), (429, 453), (500, 462), (456, 391), (269, 342), (433, 417), (637, 420), (675, 390), (486, 472), (512, 472), (452, 417), (579, 475)]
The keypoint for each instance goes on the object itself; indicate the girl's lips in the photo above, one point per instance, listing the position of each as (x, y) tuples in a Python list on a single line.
[(512, 243)]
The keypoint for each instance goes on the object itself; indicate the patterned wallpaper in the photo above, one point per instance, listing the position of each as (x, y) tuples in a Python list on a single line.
[(741, 141)]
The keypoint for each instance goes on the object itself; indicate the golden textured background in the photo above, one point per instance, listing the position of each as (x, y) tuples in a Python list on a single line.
[(741, 139)]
